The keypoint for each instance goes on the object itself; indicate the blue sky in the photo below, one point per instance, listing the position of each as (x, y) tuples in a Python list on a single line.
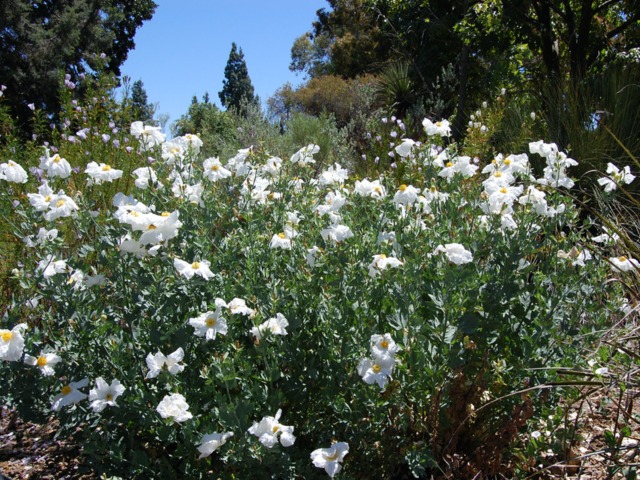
[(183, 49)]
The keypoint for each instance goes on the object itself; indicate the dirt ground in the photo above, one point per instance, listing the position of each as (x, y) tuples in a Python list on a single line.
[(29, 451)]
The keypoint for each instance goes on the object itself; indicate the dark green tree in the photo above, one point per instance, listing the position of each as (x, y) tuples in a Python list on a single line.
[(41, 40), (237, 90), (141, 108)]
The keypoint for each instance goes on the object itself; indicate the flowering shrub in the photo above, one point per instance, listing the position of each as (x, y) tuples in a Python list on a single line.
[(407, 320)]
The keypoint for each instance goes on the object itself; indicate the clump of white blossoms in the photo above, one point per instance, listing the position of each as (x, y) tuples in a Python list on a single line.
[(269, 430), (305, 155), (158, 361), (211, 442), (379, 367), (455, 253), (105, 395), (382, 262), (148, 136), (275, 326), (330, 458), (616, 177), (174, 406)]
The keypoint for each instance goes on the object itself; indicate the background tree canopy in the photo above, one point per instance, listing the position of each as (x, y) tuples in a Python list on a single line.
[(40, 41)]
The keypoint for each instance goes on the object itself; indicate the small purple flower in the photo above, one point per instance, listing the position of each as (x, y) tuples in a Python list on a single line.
[(116, 143), (75, 169), (15, 203), (105, 137), (384, 119), (54, 149), (34, 136), (82, 133), (393, 119), (32, 107), (378, 138), (126, 139), (129, 149), (392, 154), (72, 139), (36, 172), (394, 134), (151, 160), (364, 157), (103, 55), (392, 144), (377, 160), (394, 165), (74, 102), (114, 130), (3, 88)]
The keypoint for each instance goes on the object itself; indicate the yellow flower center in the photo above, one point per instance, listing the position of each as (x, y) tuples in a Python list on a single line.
[(42, 361), (108, 397), (56, 158), (165, 214), (438, 124), (215, 168), (60, 203), (210, 322), (195, 265), (403, 187), (498, 174), (449, 165), (507, 161), (66, 390), (11, 163), (382, 256), (331, 458), (47, 198), (282, 235), (106, 168), (151, 227), (504, 190), (623, 258), (175, 151), (376, 368), (7, 336), (384, 344), (275, 429), (433, 188)]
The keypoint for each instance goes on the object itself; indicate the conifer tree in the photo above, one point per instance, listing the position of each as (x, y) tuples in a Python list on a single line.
[(142, 110), (237, 90)]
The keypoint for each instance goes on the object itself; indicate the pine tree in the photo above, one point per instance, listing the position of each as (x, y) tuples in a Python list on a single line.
[(140, 106), (237, 90)]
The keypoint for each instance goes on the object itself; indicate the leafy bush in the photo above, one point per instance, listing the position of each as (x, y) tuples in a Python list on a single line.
[(409, 323)]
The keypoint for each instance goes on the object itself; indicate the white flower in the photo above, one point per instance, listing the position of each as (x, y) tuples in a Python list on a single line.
[(60, 205), (69, 395), (210, 324), (44, 362), (13, 173), (330, 458), (310, 257), (50, 266), (159, 361), (174, 406), (305, 154), (269, 430), (405, 148), (616, 177), (456, 253), (333, 202), (104, 394), (145, 176), (382, 262), (334, 174), (280, 240), (337, 233), (211, 442), (376, 370), (55, 166), (41, 200), (12, 343), (625, 264), (188, 270), (441, 128), (372, 189), (214, 170), (276, 326), (148, 136), (383, 346), (239, 306), (406, 195), (102, 173)]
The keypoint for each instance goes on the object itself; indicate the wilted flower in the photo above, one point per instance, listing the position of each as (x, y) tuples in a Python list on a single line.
[(69, 394), (104, 395), (330, 458), (211, 442), (269, 430), (174, 406)]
